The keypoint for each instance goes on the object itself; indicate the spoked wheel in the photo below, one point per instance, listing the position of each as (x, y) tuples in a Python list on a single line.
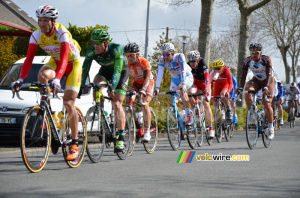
[(151, 145), (231, 130), (265, 139), (227, 131), (35, 140), (200, 119), (218, 124), (82, 139), (251, 129), (192, 134), (173, 129), (129, 137), (95, 136)]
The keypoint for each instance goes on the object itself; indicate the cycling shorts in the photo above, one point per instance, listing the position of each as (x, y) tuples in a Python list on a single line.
[(135, 86), (122, 85), (217, 91), (73, 73), (175, 82), (200, 85)]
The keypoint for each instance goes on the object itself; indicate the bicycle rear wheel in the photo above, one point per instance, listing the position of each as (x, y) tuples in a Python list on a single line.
[(82, 139), (191, 132), (251, 128), (151, 145), (173, 129), (200, 118), (129, 137), (95, 136), (218, 124), (35, 140)]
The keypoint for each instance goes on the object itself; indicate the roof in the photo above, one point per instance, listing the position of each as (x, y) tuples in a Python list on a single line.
[(13, 16)]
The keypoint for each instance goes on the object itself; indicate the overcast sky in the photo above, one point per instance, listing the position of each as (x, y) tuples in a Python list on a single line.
[(126, 19)]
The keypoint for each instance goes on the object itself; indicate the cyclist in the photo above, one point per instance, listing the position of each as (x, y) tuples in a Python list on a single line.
[(201, 81), (140, 71), (113, 69), (233, 99), (292, 93), (181, 76), (221, 76), (261, 66), (56, 41), (278, 98)]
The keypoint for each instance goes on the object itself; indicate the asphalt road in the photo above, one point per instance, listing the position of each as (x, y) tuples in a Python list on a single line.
[(270, 172)]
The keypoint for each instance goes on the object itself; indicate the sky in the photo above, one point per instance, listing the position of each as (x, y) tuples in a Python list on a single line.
[(126, 19)]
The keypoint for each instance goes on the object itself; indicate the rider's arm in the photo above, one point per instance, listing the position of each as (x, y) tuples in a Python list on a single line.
[(87, 64), (147, 75), (118, 67), (160, 71), (206, 75), (269, 70), (28, 61), (244, 73), (229, 79), (63, 63), (182, 63)]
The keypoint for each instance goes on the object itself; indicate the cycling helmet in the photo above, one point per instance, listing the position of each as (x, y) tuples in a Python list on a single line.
[(293, 84), (131, 48), (218, 63), (193, 55), (255, 46), (100, 34), (167, 47), (47, 11)]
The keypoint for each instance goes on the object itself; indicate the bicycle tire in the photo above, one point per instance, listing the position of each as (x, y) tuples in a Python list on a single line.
[(129, 137), (82, 139), (151, 145), (200, 118), (218, 124), (35, 140), (231, 130), (192, 132), (95, 134), (173, 129), (251, 128)]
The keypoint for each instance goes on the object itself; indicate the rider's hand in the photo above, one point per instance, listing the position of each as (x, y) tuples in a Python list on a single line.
[(156, 91), (183, 87), (112, 94), (239, 90), (79, 93), (142, 92), (15, 86), (266, 91), (56, 85)]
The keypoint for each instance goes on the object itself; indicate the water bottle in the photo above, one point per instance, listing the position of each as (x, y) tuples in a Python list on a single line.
[(55, 118), (223, 114), (183, 115), (61, 118), (107, 116), (140, 117)]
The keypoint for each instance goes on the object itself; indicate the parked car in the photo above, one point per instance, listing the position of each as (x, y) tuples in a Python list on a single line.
[(13, 110)]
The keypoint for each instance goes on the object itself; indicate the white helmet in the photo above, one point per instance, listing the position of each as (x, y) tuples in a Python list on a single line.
[(167, 47), (193, 55), (47, 11), (293, 84)]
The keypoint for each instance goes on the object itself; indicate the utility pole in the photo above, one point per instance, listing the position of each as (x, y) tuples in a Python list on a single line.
[(147, 28), (167, 34)]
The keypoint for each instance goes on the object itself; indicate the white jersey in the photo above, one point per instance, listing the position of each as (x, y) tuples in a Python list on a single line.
[(178, 68)]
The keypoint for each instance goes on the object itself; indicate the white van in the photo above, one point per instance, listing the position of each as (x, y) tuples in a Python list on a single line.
[(13, 110)]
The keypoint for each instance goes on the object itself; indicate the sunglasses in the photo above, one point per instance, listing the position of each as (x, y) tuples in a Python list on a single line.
[(98, 42), (193, 61), (217, 68), (256, 53), (130, 55), (164, 55)]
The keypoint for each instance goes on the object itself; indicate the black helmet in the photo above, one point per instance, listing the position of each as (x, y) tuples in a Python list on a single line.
[(255, 46), (131, 48)]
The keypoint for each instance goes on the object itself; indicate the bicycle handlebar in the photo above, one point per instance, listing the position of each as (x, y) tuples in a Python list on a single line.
[(130, 94), (252, 92)]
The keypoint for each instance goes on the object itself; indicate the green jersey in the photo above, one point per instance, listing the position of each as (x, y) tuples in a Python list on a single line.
[(113, 62)]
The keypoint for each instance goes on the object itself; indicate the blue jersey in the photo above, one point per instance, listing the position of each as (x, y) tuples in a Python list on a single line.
[(232, 92), (280, 90)]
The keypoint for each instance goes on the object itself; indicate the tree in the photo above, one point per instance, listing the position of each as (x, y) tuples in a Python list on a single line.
[(281, 21)]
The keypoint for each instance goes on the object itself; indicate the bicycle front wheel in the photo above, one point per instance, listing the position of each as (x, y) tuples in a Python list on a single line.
[(265, 139), (35, 139), (95, 134), (151, 145), (218, 124), (129, 137), (173, 129), (82, 139), (192, 134), (200, 121), (251, 128)]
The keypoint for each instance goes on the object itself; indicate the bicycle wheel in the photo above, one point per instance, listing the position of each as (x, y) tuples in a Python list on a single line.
[(251, 128), (129, 137), (82, 139), (173, 129), (230, 130), (218, 124), (265, 139), (151, 145), (35, 139), (191, 132), (95, 136), (200, 119)]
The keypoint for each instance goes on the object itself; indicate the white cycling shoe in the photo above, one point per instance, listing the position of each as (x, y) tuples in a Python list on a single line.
[(147, 136), (270, 133)]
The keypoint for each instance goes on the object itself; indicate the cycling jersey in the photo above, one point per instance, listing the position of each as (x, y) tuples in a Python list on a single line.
[(223, 82), (180, 71), (113, 63), (201, 75), (279, 90), (292, 95), (232, 92), (261, 70), (58, 44), (136, 72)]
